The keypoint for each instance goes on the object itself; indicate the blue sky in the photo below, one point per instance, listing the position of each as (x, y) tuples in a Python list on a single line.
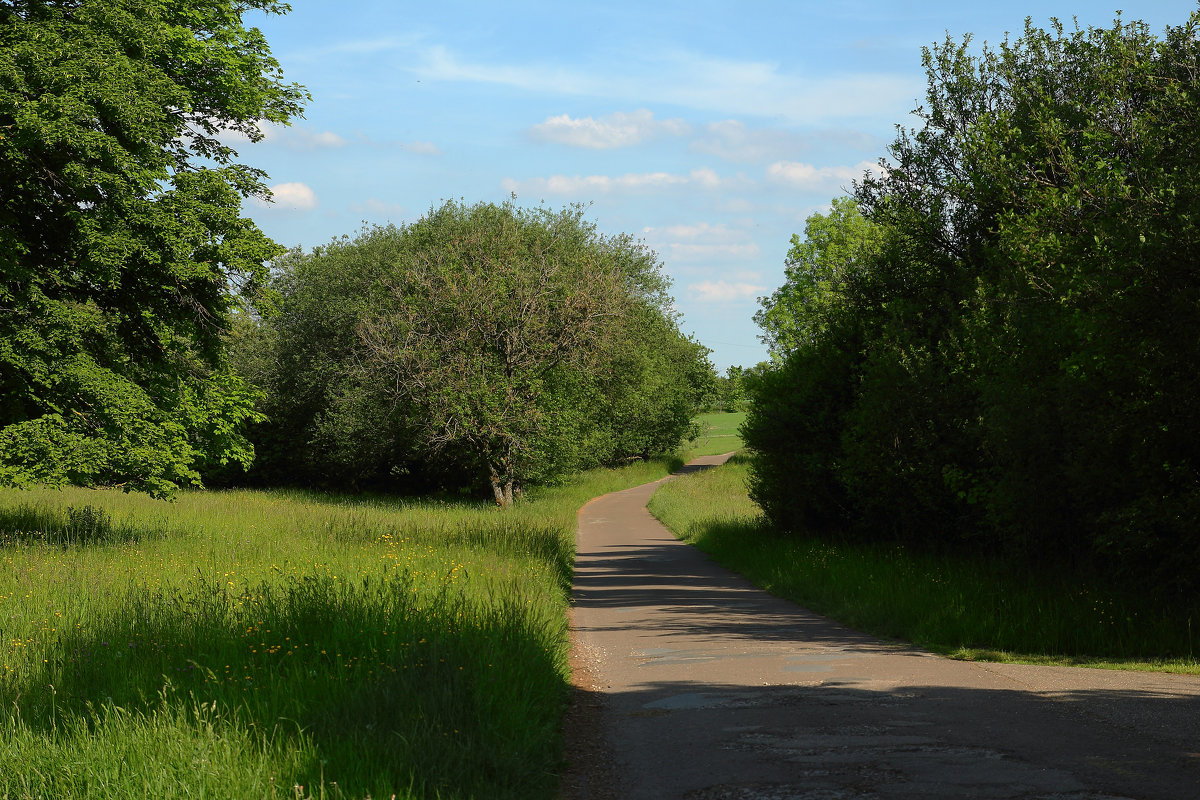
[(711, 130)]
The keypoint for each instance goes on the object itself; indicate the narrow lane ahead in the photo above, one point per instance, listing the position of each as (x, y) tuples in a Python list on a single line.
[(703, 687)]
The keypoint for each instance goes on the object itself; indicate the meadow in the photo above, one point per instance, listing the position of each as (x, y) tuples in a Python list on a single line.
[(285, 644), (718, 434), (966, 608)]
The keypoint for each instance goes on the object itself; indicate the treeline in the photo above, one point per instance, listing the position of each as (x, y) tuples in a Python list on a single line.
[(731, 391), (993, 346), (482, 346)]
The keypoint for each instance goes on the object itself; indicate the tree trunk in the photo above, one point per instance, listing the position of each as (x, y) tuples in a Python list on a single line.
[(501, 490)]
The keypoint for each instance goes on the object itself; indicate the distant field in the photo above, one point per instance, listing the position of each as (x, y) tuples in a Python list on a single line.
[(285, 645), (718, 434)]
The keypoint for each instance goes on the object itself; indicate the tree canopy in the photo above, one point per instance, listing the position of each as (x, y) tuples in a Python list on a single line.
[(816, 272), (1013, 366), (479, 342), (123, 254)]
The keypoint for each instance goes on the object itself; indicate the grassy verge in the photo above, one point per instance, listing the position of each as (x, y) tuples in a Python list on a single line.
[(718, 434), (285, 645), (963, 608)]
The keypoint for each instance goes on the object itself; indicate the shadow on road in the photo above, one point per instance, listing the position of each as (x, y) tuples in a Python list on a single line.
[(839, 740), (692, 683)]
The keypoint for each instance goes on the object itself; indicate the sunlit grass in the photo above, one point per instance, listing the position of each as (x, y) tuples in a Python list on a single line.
[(718, 434), (968, 608), (243, 644)]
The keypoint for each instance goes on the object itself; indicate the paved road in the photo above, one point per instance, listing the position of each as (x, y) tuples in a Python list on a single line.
[(693, 684)]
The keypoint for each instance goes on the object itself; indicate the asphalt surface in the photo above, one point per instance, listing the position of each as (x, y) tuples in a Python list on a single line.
[(691, 683)]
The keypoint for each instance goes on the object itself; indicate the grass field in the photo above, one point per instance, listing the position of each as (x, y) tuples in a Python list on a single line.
[(965, 608), (285, 645), (718, 434)]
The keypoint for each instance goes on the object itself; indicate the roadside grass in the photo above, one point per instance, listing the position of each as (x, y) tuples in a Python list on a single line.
[(967, 609), (718, 434), (285, 644)]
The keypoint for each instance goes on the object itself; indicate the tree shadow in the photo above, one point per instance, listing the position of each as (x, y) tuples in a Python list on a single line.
[(397, 691), (827, 712), (75, 526), (851, 738)]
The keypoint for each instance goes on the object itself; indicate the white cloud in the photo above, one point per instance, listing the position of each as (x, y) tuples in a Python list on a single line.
[(700, 230), (702, 243), (682, 78), (708, 178), (421, 148), (291, 197), (379, 208), (723, 291), (304, 138), (731, 140), (293, 138), (340, 51), (441, 64), (735, 251), (810, 178), (602, 184), (619, 129)]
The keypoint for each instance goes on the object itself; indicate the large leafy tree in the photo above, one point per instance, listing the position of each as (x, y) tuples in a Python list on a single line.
[(1053, 194), (817, 270), (813, 326), (123, 253), (482, 344), (1014, 364), (491, 311)]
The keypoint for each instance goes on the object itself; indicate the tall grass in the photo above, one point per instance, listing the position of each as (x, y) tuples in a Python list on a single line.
[(969, 608), (274, 644)]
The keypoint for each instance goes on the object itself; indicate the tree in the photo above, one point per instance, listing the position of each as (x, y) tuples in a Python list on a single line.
[(324, 425), (816, 272), (815, 327), (479, 342), (123, 255), (1012, 367), (1054, 177), (486, 307)]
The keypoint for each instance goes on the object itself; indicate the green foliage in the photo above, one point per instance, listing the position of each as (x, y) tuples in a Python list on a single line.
[(965, 605), (482, 344), (241, 644), (123, 255), (835, 246), (731, 391), (1008, 367)]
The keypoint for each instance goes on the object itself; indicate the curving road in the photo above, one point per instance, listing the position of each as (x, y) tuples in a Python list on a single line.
[(691, 683)]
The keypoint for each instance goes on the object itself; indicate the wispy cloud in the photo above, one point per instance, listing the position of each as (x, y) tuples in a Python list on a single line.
[(620, 129), (684, 78), (305, 140), (732, 140), (302, 139), (290, 137), (584, 185), (733, 251), (439, 63), (379, 208), (421, 148), (723, 291), (703, 243), (371, 46), (807, 177), (699, 230)]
